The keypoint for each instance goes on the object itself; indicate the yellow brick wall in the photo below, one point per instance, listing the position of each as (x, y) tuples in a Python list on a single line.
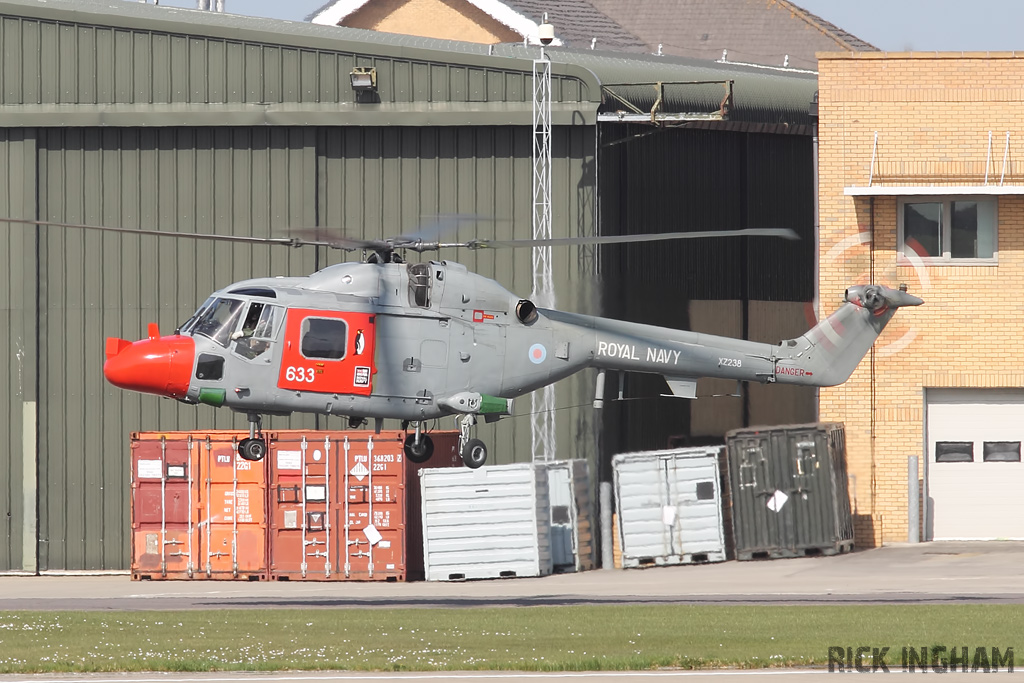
[(933, 114), (442, 19)]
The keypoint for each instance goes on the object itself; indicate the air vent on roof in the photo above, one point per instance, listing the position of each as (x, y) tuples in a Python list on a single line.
[(255, 291)]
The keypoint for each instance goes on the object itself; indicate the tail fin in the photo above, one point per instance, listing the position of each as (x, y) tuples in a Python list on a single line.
[(830, 351)]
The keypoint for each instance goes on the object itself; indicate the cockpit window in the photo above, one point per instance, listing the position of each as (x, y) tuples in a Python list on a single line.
[(216, 320), (419, 284), (258, 328)]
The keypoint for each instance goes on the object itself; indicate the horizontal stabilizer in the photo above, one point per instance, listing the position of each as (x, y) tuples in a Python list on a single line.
[(682, 387)]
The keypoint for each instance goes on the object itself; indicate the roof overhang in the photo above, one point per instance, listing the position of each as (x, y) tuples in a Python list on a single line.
[(931, 190), (292, 114)]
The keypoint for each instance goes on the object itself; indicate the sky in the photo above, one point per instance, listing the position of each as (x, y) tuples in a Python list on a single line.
[(893, 25)]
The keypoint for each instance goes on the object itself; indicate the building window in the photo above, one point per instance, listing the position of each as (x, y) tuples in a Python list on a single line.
[(949, 229), (1001, 451), (954, 451)]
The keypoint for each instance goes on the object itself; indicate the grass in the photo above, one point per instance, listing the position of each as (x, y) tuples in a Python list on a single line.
[(573, 638)]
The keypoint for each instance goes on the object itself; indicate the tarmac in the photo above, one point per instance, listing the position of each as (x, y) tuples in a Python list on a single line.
[(927, 573)]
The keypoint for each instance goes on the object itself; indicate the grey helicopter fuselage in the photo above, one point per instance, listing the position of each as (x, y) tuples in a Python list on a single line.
[(425, 340), (409, 341)]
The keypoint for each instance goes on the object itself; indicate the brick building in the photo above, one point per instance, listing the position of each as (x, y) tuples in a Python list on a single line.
[(921, 181)]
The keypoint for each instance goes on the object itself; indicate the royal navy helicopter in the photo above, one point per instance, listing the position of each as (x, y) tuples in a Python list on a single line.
[(417, 341)]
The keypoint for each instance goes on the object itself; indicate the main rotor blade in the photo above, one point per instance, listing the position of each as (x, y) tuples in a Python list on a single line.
[(626, 239), (283, 241), (319, 237), (329, 238), (431, 229), (434, 227)]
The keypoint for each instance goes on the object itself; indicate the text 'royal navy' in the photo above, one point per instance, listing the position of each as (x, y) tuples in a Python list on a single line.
[(628, 351)]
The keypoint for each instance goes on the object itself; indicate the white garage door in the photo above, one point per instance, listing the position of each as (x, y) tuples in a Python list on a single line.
[(975, 473)]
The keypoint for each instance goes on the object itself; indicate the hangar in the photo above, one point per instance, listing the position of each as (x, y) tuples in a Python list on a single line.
[(186, 122)]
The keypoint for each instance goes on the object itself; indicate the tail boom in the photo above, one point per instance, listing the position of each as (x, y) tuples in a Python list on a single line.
[(825, 356)]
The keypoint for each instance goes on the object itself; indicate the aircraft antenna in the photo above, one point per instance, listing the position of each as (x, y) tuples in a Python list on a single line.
[(542, 419)]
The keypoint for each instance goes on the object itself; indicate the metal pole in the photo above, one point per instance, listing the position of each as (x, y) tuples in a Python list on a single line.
[(913, 502), (874, 151), (1006, 153), (607, 559), (29, 489), (542, 417)]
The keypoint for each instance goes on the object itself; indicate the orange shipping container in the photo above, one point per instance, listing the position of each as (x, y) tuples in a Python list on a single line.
[(232, 512), (163, 469), (345, 505), (198, 510), (340, 506)]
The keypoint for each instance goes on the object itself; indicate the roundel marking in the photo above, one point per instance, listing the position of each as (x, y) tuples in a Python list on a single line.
[(538, 353)]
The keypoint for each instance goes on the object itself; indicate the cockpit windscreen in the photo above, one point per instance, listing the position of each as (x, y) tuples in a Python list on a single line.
[(216, 319)]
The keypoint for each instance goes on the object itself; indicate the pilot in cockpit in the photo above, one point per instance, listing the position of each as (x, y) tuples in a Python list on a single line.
[(248, 340)]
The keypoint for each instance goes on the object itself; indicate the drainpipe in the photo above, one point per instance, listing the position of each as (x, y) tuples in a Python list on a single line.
[(871, 375), (817, 237)]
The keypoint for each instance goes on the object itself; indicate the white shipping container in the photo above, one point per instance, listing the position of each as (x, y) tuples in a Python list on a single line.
[(486, 523), (669, 506), (572, 515)]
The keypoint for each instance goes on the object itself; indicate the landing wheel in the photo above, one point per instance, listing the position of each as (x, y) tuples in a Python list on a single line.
[(252, 449), (474, 453), (419, 452)]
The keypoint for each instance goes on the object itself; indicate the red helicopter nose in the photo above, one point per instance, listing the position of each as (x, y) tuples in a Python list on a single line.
[(158, 365)]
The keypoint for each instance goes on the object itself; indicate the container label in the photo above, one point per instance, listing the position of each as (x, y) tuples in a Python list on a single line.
[(384, 544), (150, 469), (372, 535), (289, 460), (668, 515), (776, 502), (316, 493), (242, 506), (291, 519), (359, 471), (177, 471)]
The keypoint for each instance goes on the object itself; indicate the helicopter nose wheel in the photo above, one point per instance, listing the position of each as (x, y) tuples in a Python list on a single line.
[(254, 448), (473, 451), (418, 447)]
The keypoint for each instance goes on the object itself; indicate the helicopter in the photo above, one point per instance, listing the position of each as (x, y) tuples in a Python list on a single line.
[(383, 338)]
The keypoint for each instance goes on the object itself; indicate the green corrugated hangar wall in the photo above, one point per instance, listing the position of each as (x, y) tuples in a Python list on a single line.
[(139, 122)]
